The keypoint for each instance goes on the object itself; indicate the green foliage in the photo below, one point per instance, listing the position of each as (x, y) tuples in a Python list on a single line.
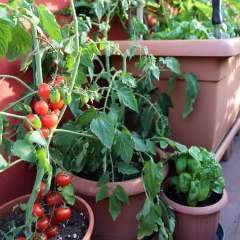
[(68, 194)]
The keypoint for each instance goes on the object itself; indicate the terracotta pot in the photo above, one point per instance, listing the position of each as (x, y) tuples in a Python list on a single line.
[(217, 66), (196, 223), (125, 227), (52, 5), (80, 205)]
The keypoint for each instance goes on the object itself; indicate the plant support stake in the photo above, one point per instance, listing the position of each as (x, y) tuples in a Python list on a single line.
[(217, 18), (140, 13)]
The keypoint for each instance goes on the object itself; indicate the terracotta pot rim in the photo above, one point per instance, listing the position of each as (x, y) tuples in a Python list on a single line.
[(195, 210), (82, 202)]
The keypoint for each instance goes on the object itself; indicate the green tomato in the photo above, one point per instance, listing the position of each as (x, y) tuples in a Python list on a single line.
[(42, 158), (193, 165), (181, 164), (84, 98), (67, 99), (55, 96), (184, 182)]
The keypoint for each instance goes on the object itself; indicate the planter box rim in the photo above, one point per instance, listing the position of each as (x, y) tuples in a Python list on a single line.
[(190, 48)]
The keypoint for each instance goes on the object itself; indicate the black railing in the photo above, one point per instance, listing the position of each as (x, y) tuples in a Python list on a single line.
[(217, 17)]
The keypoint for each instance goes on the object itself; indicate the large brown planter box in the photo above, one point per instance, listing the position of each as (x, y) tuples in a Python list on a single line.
[(217, 66)]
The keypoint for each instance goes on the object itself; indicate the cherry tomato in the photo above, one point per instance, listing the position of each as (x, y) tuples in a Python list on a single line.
[(37, 210), (63, 214), (34, 121), (151, 20), (42, 236), (57, 112), (45, 132), (54, 198), (41, 190), (44, 91), (21, 238), (42, 224), (63, 179), (55, 96), (59, 79), (84, 98), (52, 231), (49, 120), (41, 107), (56, 106), (67, 99)]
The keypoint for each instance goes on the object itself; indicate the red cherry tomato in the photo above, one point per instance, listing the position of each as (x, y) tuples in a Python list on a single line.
[(45, 132), (63, 214), (21, 238), (37, 210), (41, 107), (42, 224), (49, 120), (63, 179), (151, 20), (56, 106), (59, 79), (57, 112), (42, 236), (41, 190), (54, 198), (52, 231), (44, 91)]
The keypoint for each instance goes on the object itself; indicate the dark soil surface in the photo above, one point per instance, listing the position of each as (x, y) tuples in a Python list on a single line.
[(74, 229), (182, 198)]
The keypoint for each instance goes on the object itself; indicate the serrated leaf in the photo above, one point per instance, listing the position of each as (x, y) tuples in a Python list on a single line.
[(68, 194), (192, 90), (115, 207), (104, 179), (120, 194), (173, 64), (102, 193), (85, 118), (3, 162), (49, 23), (127, 98), (36, 137), (127, 79), (24, 150), (124, 145), (103, 128), (19, 45), (5, 37), (127, 169), (139, 144)]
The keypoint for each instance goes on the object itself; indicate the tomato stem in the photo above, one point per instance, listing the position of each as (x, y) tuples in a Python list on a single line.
[(12, 115)]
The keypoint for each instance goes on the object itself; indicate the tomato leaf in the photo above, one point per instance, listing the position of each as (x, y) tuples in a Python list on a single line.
[(5, 37), (102, 193), (103, 128), (127, 169), (49, 23), (121, 195), (68, 194), (36, 137), (115, 207)]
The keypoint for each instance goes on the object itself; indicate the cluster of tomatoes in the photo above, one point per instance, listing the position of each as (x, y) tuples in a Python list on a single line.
[(47, 109), (47, 225)]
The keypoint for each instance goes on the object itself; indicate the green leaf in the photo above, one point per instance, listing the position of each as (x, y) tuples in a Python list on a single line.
[(120, 194), (24, 150), (127, 169), (5, 37), (127, 98), (103, 128), (115, 207), (36, 137), (4, 15), (19, 45), (3, 162), (127, 79), (124, 145), (85, 118), (49, 23), (68, 194), (102, 193), (1, 128), (171, 84), (195, 152), (139, 144), (192, 90), (104, 179), (173, 64)]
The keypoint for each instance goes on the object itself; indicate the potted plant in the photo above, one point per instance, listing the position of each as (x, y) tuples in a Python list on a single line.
[(195, 191), (28, 137), (167, 30)]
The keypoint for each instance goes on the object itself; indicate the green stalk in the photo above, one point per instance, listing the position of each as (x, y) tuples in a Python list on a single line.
[(37, 57), (32, 199), (12, 115)]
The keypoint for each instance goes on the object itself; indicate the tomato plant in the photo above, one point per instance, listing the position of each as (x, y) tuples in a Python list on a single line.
[(63, 179), (63, 214), (52, 231), (42, 224), (54, 199), (44, 91), (49, 120), (38, 211), (41, 107)]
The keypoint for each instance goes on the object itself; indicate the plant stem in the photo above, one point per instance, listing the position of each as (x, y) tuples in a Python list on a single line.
[(37, 57), (18, 80), (12, 115), (18, 101), (76, 133), (112, 166), (33, 197)]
